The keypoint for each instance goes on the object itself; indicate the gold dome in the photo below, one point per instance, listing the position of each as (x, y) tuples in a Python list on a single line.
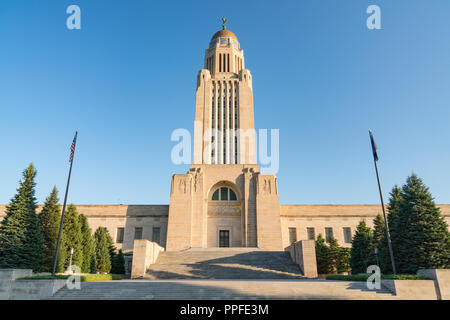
[(224, 33)]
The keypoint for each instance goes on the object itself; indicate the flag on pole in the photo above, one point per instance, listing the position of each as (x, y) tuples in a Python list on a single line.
[(72, 151), (374, 146), (72, 148)]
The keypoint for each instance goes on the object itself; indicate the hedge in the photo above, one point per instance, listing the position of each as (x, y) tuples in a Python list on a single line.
[(83, 277)]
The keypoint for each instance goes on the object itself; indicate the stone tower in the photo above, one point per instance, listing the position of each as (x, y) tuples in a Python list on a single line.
[(224, 122), (224, 201)]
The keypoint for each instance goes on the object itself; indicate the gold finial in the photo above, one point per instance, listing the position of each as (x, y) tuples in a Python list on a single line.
[(224, 23)]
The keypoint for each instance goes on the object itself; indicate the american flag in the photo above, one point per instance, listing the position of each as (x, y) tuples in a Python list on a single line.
[(72, 148)]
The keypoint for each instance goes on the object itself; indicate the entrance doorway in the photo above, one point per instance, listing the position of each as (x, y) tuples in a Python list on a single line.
[(224, 238)]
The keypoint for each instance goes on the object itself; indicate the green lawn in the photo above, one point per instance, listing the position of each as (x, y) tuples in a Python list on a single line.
[(363, 277), (83, 277)]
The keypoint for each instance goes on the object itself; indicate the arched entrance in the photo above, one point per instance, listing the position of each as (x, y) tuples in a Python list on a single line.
[(224, 222)]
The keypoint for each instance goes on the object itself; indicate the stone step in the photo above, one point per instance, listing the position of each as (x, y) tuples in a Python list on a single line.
[(224, 263), (217, 289)]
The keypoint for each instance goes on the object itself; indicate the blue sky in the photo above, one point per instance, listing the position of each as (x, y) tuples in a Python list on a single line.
[(319, 76)]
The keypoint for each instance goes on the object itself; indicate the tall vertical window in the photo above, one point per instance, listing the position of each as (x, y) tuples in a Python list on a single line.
[(292, 235), (311, 233), (347, 235), (119, 235), (328, 234), (156, 234), (137, 233)]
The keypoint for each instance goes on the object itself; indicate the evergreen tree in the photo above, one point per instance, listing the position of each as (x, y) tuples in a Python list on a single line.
[(323, 256), (111, 247), (383, 246), (424, 240), (393, 207), (93, 265), (395, 200), (73, 237), (334, 251), (379, 231), (118, 263), (343, 261), (63, 256), (21, 242), (361, 253), (380, 242), (50, 219), (87, 243), (102, 250)]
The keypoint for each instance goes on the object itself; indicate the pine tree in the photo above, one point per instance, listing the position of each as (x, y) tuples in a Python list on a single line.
[(21, 242), (334, 251), (87, 243), (102, 250), (93, 265), (424, 240), (383, 246), (343, 261), (63, 256), (118, 263), (380, 242), (111, 247), (50, 219), (361, 253), (395, 200), (323, 256), (73, 237), (379, 231)]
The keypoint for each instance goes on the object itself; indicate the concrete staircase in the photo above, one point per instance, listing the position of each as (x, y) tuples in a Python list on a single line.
[(223, 289), (231, 273), (224, 263)]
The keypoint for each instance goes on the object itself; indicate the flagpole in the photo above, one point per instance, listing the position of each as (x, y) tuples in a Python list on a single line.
[(64, 206), (375, 158)]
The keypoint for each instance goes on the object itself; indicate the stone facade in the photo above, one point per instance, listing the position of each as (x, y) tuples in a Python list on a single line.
[(252, 219), (300, 217)]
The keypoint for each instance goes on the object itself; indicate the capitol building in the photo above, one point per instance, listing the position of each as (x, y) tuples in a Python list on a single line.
[(224, 200)]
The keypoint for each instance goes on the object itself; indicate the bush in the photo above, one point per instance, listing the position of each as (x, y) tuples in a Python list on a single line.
[(83, 277), (101, 277)]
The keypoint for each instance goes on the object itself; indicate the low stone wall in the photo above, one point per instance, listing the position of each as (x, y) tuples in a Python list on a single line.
[(304, 254), (412, 289), (441, 278), (145, 253), (35, 289), (13, 289), (7, 277)]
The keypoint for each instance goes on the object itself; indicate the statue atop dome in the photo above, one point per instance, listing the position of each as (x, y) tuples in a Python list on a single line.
[(224, 23)]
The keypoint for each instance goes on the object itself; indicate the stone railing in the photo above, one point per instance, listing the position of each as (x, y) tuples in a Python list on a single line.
[(303, 253), (145, 253)]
